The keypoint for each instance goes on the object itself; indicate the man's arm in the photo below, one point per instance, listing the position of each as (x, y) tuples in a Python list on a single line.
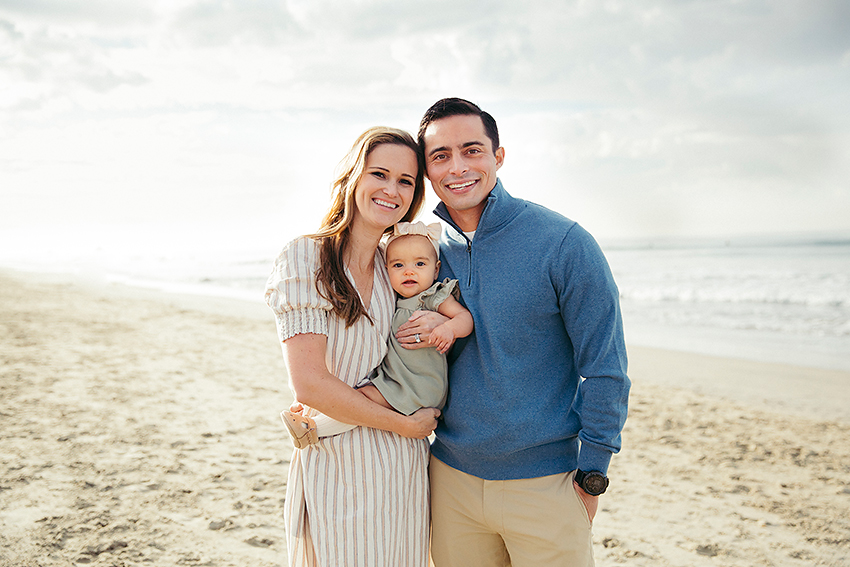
[(590, 308)]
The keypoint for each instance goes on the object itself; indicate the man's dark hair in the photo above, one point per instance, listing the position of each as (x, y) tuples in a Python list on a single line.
[(458, 107)]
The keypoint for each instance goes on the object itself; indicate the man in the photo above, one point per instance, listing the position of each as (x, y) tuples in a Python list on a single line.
[(538, 393)]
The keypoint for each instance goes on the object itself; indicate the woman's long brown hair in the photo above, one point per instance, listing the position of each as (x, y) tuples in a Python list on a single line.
[(334, 233)]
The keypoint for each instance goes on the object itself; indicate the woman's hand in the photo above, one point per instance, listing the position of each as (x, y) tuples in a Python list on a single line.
[(421, 323), (422, 423)]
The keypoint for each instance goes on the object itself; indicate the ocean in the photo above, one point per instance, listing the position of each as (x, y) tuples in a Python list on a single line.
[(774, 300), (766, 299)]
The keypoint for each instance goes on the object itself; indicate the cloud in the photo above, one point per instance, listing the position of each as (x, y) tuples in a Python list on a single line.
[(226, 22), (621, 113), (100, 12)]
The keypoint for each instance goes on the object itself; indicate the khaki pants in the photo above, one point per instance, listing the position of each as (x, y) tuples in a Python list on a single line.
[(534, 522)]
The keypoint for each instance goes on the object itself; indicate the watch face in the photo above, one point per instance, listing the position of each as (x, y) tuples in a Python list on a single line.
[(595, 484)]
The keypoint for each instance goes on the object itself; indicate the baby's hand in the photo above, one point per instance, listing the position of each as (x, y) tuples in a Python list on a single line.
[(442, 338)]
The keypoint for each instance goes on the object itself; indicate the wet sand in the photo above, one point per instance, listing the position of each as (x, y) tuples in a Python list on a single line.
[(138, 428)]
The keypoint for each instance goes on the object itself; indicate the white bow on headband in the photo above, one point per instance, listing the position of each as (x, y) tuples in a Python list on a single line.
[(419, 228)]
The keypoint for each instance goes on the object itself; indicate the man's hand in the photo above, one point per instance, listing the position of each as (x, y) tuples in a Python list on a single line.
[(421, 323), (591, 503)]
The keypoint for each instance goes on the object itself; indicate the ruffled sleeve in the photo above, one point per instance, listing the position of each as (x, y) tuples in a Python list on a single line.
[(291, 291), (435, 295)]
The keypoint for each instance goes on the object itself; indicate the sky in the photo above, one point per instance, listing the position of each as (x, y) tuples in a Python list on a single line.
[(189, 124)]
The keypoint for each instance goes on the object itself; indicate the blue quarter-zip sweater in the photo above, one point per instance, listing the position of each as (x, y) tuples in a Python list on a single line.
[(545, 367)]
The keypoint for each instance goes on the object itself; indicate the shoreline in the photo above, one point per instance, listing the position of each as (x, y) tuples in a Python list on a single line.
[(784, 386), (766, 345), (142, 428)]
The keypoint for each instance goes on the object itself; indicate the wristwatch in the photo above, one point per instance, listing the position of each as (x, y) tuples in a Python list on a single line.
[(593, 482)]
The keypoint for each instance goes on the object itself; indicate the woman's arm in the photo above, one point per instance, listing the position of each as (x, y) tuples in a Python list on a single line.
[(314, 386), (459, 325)]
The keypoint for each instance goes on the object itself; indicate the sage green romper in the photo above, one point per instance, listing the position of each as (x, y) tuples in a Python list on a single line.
[(414, 379)]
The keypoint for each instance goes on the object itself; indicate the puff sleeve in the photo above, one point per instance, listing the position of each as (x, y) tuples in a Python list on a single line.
[(291, 291), (433, 297)]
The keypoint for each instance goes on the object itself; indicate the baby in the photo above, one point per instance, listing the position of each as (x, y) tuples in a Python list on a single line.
[(406, 380)]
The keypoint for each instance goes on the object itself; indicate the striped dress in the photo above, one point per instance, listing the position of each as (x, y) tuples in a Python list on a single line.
[(359, 498)]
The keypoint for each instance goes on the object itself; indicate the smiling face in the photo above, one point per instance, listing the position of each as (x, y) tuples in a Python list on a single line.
[(412, 264), (461, 164), (385, 190)]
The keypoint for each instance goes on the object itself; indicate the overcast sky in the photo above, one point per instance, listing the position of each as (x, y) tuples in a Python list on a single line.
[(226, 117)]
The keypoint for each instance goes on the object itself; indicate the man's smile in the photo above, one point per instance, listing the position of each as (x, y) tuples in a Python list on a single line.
[(459, 186)]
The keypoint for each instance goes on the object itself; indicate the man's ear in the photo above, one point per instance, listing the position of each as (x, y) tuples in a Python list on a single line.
[(500, 157)]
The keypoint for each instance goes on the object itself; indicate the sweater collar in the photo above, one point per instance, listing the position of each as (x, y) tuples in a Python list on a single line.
[(500, 208)]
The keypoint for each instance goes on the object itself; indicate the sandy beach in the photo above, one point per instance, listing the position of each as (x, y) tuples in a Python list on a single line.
[(139, 428)]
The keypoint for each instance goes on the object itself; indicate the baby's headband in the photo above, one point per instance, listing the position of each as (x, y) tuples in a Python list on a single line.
[(419, 228)]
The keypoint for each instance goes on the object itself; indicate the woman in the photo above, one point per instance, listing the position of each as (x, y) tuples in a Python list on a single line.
[(359, 498)]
